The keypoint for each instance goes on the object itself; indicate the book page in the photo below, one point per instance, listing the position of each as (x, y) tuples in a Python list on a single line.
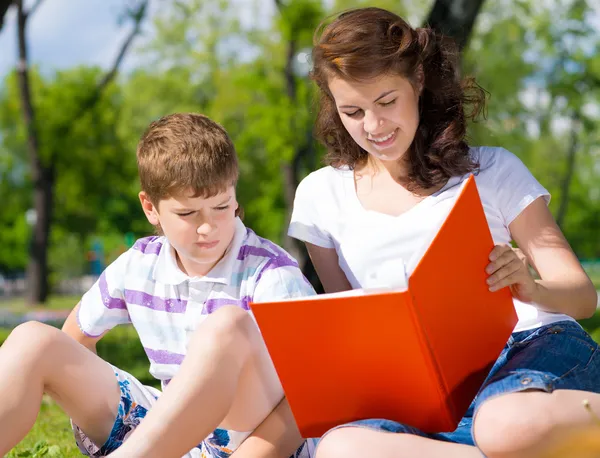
[(350, 293)]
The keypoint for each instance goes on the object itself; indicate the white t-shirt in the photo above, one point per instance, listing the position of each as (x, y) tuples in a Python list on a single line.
[(377, 250)]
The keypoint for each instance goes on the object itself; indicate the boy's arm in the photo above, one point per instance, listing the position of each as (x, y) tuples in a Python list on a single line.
[(71, 328), (276, 437)]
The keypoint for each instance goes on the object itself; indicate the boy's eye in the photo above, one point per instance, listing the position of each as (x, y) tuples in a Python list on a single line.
[(391, 102), (185, 214), (221, 208)]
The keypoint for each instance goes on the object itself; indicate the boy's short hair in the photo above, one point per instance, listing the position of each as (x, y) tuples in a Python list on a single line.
[(185, 152)]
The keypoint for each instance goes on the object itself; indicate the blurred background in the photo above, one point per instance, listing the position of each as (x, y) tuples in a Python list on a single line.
[(80, 81)]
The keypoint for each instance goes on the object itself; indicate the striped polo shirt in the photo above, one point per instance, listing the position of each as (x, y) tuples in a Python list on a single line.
[(145, 287)]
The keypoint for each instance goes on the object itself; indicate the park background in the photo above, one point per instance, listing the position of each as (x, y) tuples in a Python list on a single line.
[(80, 80)]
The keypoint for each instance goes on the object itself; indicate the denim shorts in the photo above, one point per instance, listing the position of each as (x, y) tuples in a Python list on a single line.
[(136, 400), (558, 356)]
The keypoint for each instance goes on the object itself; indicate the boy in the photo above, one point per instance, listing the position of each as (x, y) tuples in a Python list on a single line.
[(186, 292)]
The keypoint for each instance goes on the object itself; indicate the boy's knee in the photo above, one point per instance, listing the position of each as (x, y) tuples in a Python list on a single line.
[(32, 336), (227, 324)]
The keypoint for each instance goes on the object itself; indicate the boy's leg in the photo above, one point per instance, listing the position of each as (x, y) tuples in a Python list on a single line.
[(227, 379), (37, 358)]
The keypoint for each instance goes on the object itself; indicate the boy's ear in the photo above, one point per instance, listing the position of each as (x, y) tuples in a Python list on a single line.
[(149, 209)]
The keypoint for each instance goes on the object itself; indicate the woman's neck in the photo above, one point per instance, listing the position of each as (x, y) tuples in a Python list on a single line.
[(397, 171)]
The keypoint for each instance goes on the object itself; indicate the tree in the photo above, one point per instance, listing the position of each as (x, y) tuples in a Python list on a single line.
[(454, 18), (4, 6), (43, 169)]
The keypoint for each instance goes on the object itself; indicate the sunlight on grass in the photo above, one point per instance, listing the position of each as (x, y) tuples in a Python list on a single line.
[(50, 437), (19, 305)]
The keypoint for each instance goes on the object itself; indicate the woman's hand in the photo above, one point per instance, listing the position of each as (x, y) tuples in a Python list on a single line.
[(509, 267)]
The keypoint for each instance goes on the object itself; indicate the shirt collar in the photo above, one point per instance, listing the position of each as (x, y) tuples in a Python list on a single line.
[(167, 271)]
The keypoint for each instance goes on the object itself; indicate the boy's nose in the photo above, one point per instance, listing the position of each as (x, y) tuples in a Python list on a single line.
[(204, 228)]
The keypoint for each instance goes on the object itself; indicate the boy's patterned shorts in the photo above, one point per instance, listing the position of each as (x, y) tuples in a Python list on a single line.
[(136, 401)]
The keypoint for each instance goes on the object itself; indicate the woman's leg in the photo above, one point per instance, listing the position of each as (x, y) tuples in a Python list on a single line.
[(37, 358), (540, 392), (227, 379), (353, 442), (516, 424)]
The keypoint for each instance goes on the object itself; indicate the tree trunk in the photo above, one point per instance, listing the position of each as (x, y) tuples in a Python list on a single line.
[(565, 186), (291, 170), (43, 170), (42, 177), (454, 18), (4, 5)]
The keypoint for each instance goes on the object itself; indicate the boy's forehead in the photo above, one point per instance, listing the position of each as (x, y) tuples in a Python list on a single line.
[(189, 197)]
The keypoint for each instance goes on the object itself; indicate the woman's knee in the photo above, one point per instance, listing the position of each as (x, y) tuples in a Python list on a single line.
[(509, 424), (339, 443)]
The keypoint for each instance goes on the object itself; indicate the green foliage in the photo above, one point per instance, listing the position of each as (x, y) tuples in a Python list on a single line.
[(207, 58)]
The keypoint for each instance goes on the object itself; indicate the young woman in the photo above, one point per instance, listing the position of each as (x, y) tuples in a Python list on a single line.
[(392, 116)]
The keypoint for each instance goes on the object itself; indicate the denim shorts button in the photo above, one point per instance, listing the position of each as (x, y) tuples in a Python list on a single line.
[(526, 381)]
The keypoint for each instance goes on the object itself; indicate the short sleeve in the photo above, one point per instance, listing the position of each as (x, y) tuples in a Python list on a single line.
[(516, 186), (309, 219), (277, 283), (103, 307)]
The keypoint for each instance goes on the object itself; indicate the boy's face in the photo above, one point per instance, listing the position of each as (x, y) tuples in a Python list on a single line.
[(199, 229)]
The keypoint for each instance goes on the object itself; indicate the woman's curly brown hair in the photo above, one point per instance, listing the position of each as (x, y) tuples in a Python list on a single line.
[(365, 43)]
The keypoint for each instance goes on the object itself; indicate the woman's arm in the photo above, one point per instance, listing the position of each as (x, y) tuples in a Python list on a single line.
[(328, 269), (563, 287)]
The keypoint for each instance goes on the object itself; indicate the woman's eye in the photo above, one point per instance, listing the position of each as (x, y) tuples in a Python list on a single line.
[(353, 114), (386, 104)]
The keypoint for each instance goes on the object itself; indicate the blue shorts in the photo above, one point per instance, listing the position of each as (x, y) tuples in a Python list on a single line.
[(557, 356), (136, 400)]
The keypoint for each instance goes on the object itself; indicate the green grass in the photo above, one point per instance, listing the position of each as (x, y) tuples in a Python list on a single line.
[(51, 436), (595, 276), (18, 305)]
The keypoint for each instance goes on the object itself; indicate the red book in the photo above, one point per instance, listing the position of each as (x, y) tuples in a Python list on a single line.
[(416, 356)]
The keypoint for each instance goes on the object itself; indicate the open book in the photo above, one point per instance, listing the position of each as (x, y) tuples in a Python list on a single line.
[(416, 355)]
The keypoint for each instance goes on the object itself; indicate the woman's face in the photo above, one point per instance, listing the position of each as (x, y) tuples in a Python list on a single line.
[(381, 115)]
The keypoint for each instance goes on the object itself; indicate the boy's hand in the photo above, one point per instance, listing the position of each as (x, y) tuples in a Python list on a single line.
[(508, 267)]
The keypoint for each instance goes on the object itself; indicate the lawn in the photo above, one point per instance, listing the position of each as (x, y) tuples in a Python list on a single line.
[(51, 436)]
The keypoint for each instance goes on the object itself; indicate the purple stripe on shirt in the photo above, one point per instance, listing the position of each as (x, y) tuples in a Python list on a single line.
[(164, 356), (277, 250), (148, 245), (212, 305), (154, 302), (275, 263), (109, 301), (249, 250)]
